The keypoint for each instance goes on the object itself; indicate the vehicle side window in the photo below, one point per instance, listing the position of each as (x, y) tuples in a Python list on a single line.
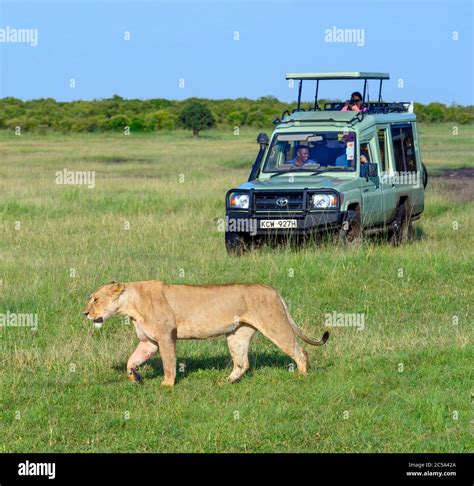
[(364, 153), (409, 149), (382, 146), (403, 148)]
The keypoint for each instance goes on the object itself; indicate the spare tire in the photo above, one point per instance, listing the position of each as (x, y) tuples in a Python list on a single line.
[(425, 175)]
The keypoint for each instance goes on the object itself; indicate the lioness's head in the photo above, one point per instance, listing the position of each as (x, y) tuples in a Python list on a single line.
[(103, 303)]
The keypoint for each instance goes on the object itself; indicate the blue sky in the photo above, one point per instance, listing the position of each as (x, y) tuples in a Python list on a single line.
[(195, 41)]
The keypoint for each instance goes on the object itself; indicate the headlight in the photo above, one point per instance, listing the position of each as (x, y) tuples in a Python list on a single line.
[(323, 201), (239, 201)]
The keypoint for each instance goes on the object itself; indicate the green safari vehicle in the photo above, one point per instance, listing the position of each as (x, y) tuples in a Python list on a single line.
[(339, 170)]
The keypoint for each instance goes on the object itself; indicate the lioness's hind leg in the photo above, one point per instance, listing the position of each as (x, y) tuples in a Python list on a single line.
[(281, 334), (145, 350), (238, 342)]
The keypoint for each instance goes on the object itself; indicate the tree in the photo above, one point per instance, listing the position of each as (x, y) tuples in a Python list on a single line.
[(196, 117)]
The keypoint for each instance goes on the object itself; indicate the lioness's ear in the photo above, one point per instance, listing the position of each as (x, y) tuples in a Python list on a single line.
[(117, 288)]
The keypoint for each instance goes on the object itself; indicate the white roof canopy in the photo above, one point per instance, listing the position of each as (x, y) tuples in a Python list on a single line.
[(335, 76)]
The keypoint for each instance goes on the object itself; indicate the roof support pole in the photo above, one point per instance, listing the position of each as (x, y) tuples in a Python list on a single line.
[(316, 96), (299, 93), (365, 89), (380, 91)]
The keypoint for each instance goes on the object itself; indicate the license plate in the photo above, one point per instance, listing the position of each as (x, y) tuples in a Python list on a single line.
[(278, 223)]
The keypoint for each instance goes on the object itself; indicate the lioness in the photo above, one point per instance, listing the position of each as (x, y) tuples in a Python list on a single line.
[(162, 313)]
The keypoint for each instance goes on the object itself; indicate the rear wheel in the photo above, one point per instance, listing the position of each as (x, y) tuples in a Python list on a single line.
[(402, 231)]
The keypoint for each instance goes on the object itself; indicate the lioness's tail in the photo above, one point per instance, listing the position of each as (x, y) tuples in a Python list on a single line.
[(299, 332)]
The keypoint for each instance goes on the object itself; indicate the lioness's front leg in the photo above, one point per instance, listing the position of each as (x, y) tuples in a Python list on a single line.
[(168, 354), (145, 350)]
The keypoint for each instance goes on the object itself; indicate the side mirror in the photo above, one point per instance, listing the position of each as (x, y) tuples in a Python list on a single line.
[(373, 170)]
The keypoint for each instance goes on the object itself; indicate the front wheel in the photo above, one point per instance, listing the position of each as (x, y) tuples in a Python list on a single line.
[(350, 233), (237, 244)]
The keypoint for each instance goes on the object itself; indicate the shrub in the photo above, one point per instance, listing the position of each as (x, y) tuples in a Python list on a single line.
[(160, 120), (117, 122)]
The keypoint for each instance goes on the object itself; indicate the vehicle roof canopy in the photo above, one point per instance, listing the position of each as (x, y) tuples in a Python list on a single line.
[(368, 106), (336, 76)]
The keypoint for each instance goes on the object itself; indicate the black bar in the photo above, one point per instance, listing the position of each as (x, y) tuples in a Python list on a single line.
[(365, 88), (380, 91), (292, 468)]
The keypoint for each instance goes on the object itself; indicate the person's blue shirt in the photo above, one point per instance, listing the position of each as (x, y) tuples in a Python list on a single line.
[(342, 161), (364, 170)]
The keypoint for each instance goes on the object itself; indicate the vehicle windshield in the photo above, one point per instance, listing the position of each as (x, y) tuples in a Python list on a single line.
[(311, 152)]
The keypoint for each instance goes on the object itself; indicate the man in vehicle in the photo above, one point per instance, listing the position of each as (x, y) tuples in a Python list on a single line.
[(347, 158), (364, 159), (409, 154), (302, 158)]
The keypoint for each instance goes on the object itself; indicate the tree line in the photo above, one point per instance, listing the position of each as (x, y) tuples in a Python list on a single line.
[(136, 115)]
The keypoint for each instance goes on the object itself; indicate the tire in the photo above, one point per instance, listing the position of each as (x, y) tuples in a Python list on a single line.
[(425, 175), (236, 244), (351, 231), (403, 228)]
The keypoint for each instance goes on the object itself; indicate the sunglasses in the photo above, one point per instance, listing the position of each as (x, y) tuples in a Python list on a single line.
[(356, 100)]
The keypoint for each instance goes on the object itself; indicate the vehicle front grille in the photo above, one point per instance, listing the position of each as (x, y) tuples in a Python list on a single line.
[(270, 201)]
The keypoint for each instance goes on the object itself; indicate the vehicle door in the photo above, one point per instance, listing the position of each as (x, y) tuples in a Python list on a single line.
[(371, 188)]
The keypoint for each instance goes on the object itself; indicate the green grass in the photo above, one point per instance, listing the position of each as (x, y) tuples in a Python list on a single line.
[(64, 387)]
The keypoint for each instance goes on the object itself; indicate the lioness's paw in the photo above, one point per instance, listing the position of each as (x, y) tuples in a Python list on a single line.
[(135, 377), (167, 383)]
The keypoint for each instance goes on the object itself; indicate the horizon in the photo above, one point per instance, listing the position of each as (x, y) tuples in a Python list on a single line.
[(143, 50), (215, 99)]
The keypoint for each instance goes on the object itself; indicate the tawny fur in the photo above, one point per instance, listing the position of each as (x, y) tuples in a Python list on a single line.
[(163, 313)]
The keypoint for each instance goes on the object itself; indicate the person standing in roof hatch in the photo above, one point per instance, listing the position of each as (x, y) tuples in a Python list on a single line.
[(355, 103)]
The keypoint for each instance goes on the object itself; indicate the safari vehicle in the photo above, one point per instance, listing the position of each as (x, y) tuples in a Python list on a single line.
[(362, 172)]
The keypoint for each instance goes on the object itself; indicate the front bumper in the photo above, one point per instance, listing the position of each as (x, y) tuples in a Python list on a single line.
[(311, 222)]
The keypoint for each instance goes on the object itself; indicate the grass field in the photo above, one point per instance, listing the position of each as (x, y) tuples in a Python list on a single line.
[(404, 383)]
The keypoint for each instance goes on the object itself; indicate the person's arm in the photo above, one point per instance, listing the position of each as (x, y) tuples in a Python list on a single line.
[(347, 106)]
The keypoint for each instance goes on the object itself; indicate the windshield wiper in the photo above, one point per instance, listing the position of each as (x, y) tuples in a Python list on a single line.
[(328, 169), (311, 173), (286, 172)]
